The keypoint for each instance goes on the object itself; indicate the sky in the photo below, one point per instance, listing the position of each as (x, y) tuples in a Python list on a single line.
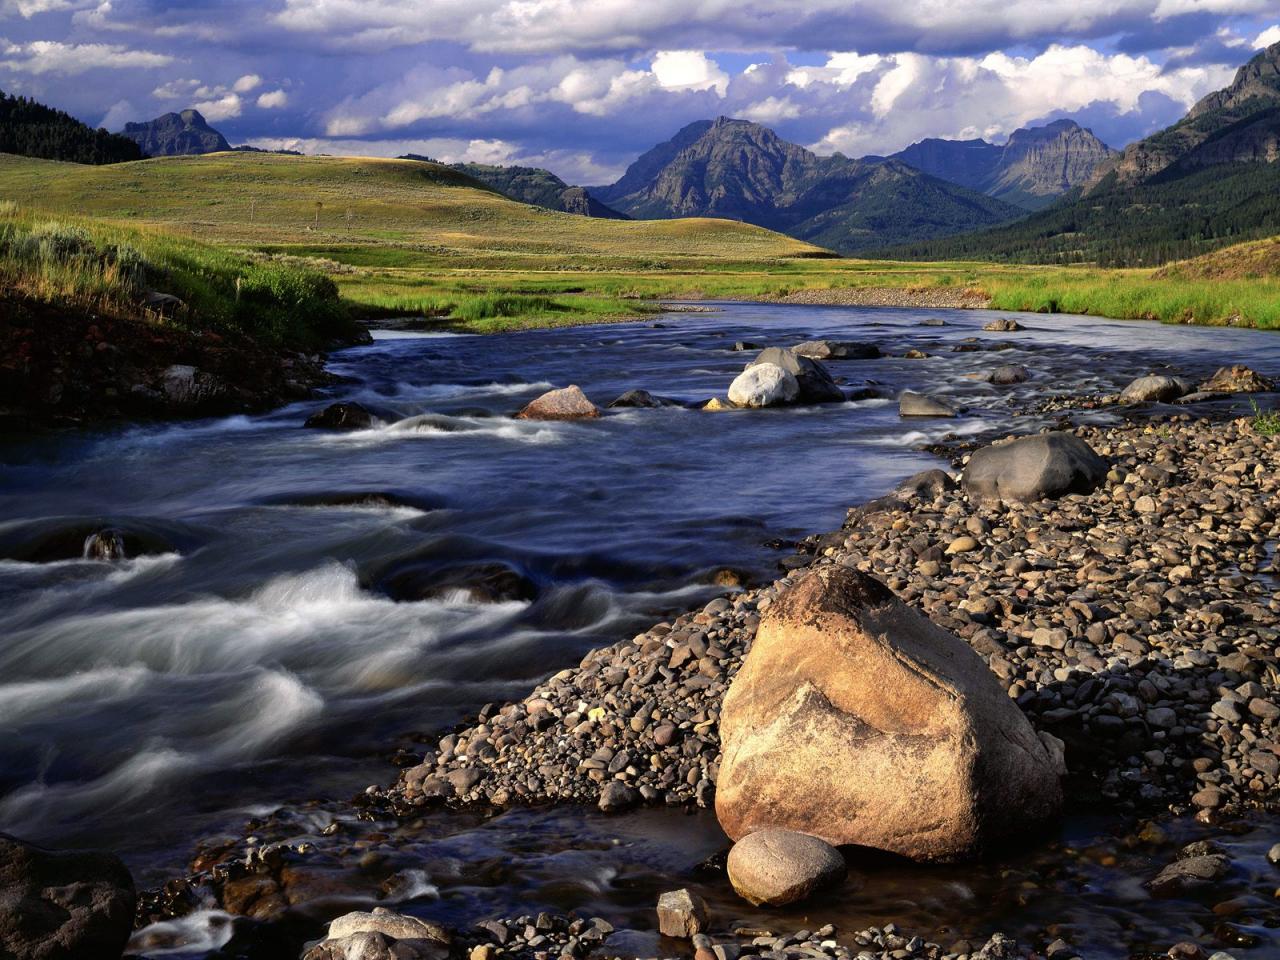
[(584, 86)]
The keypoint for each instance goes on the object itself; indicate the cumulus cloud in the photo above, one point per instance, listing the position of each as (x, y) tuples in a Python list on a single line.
[(688, 70), (1267, 37), (52, 56), (273, 100), (248, 83), (34, 8), (224, 107)]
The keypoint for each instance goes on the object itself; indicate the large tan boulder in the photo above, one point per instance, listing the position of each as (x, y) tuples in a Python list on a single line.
[(857, 720), (567, 403)]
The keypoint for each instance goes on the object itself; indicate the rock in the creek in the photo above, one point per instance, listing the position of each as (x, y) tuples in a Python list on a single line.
[(642, 398), (744, 345), (918, 405), (764, 385), (1003, 325), (836, 350), (1008, 374), (1200, 396), (717, 403), (493, 582), (681, 914), (933, 322), (925, 485), (617, 797), (567, 403), (1033, 468), (815, 382), (107, 545), (1182, 876), (778, 867), (1155, 389), (382, 935), (856, 720), (341, 416), (62, 905), (1236, 379)]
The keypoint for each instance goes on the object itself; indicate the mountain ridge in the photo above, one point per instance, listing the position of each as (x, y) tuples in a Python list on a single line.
[(185, 133)]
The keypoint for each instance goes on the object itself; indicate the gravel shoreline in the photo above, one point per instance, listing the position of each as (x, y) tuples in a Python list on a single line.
[(1136, 623)]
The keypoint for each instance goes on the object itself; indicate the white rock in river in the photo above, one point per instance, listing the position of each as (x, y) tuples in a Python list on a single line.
[(764, 385)]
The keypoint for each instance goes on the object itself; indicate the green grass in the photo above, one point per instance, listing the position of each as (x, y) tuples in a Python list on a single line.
[(1265, 423), (87, 265), (412, 238)]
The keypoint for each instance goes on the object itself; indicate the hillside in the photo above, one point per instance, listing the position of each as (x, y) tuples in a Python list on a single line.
[(176, 134), (371, 205), (744, 171), (1211, 179), (1031, 170), (540, 187), (31, 129), (1257, 260)]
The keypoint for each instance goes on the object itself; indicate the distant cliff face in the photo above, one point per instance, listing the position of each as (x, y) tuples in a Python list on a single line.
[(1238, 124), (176, 134), (1035, 166), (740, 170)]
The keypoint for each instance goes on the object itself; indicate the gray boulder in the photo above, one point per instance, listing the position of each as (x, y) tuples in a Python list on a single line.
[(764, 385), (1157, 389), (341, 416), (918, 405), (382, 935), (816, 384), (1003, 325), (1236, 379), (1008, 374), (642, 398), (836, 350), (62, 905), (189, 386), (778, 867), (1035, 467)]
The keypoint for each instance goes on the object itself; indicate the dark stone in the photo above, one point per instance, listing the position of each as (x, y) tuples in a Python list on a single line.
[(642, 398), (493, 582), (816, 383), (341, 416), (72, 905), (1035, 467)]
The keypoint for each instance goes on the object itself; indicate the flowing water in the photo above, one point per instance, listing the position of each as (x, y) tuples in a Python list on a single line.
[(253, 647)]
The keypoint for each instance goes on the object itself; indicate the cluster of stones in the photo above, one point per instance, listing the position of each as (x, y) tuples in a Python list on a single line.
[(1135, 623), (548, 936)]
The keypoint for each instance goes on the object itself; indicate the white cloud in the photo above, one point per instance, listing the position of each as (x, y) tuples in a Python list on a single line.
[(52, 56), (248, 83), (223, 108), (176, 89), (33, 8), (121, 112), (841, 69), (770, 110), (273, 100), (688, 70), (1267, 37)]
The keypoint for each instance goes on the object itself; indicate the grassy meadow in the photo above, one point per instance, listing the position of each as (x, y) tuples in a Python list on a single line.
[(411, 238)]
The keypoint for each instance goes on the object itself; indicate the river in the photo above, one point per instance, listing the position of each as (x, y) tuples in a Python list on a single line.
[(255, 653)]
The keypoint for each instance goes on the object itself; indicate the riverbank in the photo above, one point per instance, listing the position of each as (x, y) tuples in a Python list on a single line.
[(1136, 623)]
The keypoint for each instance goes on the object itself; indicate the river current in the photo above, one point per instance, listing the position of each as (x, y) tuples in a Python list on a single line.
[(253, 652)]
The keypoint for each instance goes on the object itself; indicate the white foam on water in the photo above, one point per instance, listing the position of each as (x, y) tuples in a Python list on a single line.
[(194, 935), (411, 884), (416, 335), (30, 700)]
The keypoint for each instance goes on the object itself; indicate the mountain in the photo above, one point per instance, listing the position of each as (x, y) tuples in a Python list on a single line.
[(542, 188), (1031, 170), (740, 170), (176, 134), (1211, 179), (1238, 124), (31, 129)]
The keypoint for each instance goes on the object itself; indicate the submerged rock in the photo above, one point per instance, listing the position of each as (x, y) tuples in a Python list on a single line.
[(918, 405), (1035, 467), (836, 350), (778, 867), (1156, 389), (856, 720), (493, 582), (62, 905), (642, 398), (764, 385), (815, 382), (341, 416), (1008, 374), (105, 545), (567, 403)]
